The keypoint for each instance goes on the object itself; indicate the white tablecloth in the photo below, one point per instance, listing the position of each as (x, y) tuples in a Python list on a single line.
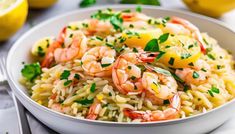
[(8, 118)]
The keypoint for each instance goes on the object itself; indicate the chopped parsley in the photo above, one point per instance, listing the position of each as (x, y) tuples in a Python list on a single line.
[(93, 86), (133, 77), (105, 65), (220, 66), (161, 53), (185, 55), (77, 76), (213, 90), (41, 53), (204, 70), (87, 3), (171, 61), (126, 11), (135, 50), (85, 101), (65, 75), (191, 64), (211, 56), (131, 26), (190, 46), (138, 9), (129, 67), (68, 82), (31, 71), (165, 102), (186, 88), (163, 37), (110, 94), (99, 38), (195, 75), (152, 46), (114, 18), (116, 22), (167, 18), (177, 78), (205, 41)]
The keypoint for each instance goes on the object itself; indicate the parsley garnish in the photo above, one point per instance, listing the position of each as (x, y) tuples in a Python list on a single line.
[(171, 61), (211, 56), (195, 75), (190, 46), (220, 66), (186, 88), (65, 75), (92, 89), (31, 71), (213, 90), (133, 77), (99, 38), (161, 53), (68, 82), (41, 53), (105, 65), (152, 46), (163, 37), (191, 64), (185, 55), (138, 9), (116, 22), (135, 50), (177, 78), (87, 3), (85, 101), (165, 102), (77, 76)]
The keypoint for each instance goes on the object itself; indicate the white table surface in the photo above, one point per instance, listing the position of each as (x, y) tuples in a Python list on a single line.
[(8, 118)]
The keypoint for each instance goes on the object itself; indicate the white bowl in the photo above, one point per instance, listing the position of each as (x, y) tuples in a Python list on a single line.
[(66, 124)]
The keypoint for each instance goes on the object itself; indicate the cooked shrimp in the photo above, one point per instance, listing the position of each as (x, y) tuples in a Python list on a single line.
[(94, 110), (99, 27), (195, 75), (178, 25), (98, 61), (160, 85), (134, 17), (127, 75), (49, 58), (172, 112), (76, 49)]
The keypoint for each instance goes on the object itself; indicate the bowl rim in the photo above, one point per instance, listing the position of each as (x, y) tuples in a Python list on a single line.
[(26, 98)]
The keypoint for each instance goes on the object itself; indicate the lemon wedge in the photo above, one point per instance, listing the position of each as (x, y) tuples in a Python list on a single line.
[(13, 14)]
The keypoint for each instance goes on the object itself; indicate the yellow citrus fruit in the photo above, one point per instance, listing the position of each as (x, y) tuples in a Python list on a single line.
[(213, 8), (139, 38), (39, 4), (13, 14), (180, 51)]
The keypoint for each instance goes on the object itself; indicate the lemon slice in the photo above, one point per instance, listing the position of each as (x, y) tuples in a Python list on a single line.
[(180, 51), (38, 4), (39, 49), (12, 16), (139, 38)]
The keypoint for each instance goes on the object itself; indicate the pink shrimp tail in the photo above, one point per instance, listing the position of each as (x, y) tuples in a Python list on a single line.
[(49, 58), (191, 27)]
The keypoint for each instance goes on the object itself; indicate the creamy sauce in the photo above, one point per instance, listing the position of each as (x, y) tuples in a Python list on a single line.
[(4, 4)]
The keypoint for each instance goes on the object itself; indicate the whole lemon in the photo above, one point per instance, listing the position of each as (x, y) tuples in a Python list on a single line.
[(213, 8), (13, 14)]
